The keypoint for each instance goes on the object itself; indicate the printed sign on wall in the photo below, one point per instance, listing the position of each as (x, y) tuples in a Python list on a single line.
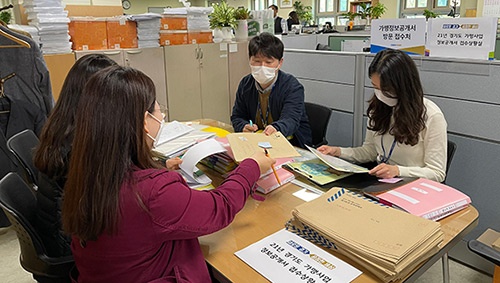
[(472, 38), (404, 34)]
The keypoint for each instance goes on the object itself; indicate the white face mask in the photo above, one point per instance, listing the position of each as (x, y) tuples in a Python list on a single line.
[(387, 100), (262, 74), (157, 139)]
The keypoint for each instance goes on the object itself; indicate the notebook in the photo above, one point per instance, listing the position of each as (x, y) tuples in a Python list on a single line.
[(426, 198), (268, 183)]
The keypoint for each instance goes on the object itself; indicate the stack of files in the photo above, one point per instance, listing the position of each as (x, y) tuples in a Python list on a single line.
[(148, 29), (180, 145), (197, 18), (33, 31), (51, 20), (388, 242), (220, 162), (268, 182), (425, 198)]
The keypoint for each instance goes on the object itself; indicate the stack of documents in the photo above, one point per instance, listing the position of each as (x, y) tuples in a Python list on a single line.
[(388, 242), (317, 171), (148, 29), (51, 20)]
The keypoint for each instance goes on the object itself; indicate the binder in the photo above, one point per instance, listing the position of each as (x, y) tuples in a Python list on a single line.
[(426, 198)]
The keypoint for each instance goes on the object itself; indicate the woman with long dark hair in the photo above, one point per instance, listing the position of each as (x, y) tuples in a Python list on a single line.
[(406, 132), (130, 219)]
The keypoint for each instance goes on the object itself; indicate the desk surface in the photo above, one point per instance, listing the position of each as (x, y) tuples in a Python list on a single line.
[(258, 220)]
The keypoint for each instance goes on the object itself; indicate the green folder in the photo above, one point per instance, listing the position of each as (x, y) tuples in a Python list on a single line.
[(317, 171)]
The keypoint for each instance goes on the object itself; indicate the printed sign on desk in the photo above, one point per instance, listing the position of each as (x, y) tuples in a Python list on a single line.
[(286, 257), (407, 35), (472, 38)]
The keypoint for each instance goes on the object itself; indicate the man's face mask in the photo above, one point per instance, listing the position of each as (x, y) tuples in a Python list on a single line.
[(262, 74)]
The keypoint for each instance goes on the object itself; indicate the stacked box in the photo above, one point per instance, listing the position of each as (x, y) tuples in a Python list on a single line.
[(173, 22), (88, 33), (121, 33), (148, 29), (202, 36), (173, 37)]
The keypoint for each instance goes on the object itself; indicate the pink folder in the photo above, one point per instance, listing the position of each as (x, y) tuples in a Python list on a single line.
[(269, 183), (426, 198)]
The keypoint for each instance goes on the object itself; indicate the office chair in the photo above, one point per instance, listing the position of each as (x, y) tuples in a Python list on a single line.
[(19, 204), (321, 46), (452, 147), (319, 117), (22, 145), (488, 253)]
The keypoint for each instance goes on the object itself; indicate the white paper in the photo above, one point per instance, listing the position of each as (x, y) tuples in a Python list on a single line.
[(176, 146), (286, 257), (197, 153), (337, 163), (306, 195), (172, 131)]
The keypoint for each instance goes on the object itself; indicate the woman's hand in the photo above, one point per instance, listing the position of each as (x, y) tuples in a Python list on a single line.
[(385, 171), (264, 161), (250, 129), (173, 163), (329, 150), (269, 130)]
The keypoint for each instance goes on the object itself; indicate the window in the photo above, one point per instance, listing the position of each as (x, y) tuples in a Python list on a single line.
[(331, 10), (263, 4), (415, 8)]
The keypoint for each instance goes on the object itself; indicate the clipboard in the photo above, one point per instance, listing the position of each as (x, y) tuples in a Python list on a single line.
[(245, 145)]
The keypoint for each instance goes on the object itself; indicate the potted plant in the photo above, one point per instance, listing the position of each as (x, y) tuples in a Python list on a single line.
[(222, 20), (5, 17), (429, 14), (241, 14), (364, 12), (304, 12), (351, 16), (377, 10)]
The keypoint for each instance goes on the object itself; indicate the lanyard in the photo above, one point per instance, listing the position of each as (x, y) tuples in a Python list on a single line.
[(264, 122), (384, 158)]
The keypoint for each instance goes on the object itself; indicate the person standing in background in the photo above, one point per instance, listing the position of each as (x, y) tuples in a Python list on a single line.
[(277, 20), (293, 19)]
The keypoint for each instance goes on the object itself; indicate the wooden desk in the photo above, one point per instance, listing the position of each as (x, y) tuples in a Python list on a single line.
[(258, 220)]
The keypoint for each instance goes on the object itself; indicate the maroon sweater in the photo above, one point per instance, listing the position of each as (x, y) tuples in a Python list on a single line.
[(159, 243)]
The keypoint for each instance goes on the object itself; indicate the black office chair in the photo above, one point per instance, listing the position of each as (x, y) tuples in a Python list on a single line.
[(22, 145), (319, 117), (19, 204), (321, 46), (488, 253), (452, 147)]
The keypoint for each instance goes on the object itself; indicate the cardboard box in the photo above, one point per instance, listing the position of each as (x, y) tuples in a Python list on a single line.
[(121, 33), (203, 36), (173, 22), (174, 37), (88, 33)]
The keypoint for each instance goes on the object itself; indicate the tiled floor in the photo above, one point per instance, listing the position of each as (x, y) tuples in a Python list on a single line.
[(12, 272)]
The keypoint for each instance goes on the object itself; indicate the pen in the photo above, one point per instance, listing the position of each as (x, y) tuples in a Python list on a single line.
[(251, 123), (274, 170)]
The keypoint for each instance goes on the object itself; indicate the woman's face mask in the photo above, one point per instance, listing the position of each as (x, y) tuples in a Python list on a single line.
[(157, 139), (263, 74), (387, 100)]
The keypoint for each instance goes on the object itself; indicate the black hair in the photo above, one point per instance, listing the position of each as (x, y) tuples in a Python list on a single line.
[(266, 45)]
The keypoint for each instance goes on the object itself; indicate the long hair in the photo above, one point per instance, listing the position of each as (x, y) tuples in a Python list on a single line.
[(110, 142), (52, 154), (399, 79)]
